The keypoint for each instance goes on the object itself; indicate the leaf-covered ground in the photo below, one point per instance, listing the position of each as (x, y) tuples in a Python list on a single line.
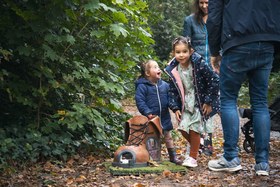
[(91, 171)]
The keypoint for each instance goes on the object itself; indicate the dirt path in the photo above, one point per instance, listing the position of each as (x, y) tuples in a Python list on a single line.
[(90, 171), (202, 176)]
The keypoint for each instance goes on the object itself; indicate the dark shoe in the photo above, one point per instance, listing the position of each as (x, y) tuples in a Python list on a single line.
[(262, 169), (208, 151), (201, 149), (208, 148), (172, 156)]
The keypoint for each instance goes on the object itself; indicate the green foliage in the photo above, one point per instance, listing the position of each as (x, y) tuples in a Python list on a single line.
[(75, 57), (66, 65), (167, 23), (57, 141), (273, 91), (274, 86)]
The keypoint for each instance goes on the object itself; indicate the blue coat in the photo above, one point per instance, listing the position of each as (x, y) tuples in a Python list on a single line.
[(235, 22), (153, 99), (206, 85), (198, 34)]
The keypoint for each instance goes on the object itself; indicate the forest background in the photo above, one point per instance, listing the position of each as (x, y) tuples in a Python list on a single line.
[(67, 65)]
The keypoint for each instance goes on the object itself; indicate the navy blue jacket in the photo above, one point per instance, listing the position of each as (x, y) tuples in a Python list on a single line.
[(153, 99), (206, 85), (235, 22)]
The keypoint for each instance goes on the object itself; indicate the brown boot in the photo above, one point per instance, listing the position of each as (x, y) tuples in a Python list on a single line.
[(173, 157)]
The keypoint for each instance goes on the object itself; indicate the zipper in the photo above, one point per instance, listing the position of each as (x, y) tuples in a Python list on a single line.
[(206, 45), (159, 102), (176, 87)]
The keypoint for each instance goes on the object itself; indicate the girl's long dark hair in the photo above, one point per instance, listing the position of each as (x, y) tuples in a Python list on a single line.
[(198, 13)]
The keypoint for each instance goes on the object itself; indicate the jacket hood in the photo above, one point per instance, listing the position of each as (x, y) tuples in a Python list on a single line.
[(145, 81)]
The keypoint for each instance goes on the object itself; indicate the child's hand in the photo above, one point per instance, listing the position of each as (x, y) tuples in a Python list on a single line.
[(178, 115), (151, 116), (206, 109)]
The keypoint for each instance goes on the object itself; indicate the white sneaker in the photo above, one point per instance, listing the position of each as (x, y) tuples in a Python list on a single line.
[(190, 162)]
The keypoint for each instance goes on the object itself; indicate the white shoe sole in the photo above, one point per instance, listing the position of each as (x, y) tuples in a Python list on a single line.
[(191, 166), (261, 172), (237, 168)]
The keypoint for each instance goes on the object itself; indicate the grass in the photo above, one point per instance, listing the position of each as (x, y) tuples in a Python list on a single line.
[(159, 168)]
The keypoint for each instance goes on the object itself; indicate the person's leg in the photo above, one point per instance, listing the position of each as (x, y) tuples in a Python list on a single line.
[(195, 142), (258, 87), (194, 147), (236, 62), (232, 75), (170, 148), (208, 147), (187, 137)]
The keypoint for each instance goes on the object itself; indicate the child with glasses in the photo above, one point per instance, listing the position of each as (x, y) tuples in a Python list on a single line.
[(193, 94)]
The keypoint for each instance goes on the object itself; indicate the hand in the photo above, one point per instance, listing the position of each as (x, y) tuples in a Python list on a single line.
[(215, 63), (206, 109), (151, 116), (178, 115)]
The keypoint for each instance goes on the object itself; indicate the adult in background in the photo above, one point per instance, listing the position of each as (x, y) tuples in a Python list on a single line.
[(195, 28), (246, 31)]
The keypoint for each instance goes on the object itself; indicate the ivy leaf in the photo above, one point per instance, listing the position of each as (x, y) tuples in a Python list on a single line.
[(93, 5), (117, 2), (98, 117), (115, 103), (118, 30), (97, 34), (70, 39), (145, 32), (141, 4), (49, 53), (120, 17), (24, 50), (106, 8), (70, 13)]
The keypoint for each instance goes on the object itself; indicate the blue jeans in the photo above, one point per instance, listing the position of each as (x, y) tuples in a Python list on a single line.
[(252, 62)]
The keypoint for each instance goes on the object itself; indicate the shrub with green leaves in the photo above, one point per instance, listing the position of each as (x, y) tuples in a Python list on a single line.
[(64, 67)]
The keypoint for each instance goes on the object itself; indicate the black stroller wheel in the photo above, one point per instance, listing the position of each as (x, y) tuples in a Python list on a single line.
[(249, 145)]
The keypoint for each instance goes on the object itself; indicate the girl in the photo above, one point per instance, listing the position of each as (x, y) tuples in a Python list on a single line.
[(152, 100), (195, 27), (194, 94)]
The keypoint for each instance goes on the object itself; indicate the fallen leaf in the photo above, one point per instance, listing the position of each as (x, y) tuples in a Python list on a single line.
[(138, 185), (166, 173)]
